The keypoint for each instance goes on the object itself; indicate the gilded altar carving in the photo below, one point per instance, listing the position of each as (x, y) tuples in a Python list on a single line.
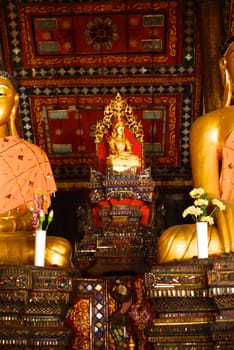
[(118, 108)]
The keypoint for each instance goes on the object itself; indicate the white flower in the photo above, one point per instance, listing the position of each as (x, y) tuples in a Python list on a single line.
[(196, 192), (199, 202), (199, 211), (208, 219), (192, 210), (218, 204)]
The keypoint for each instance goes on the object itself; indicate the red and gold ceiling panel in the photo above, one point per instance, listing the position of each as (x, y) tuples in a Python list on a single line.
[(125, 32)]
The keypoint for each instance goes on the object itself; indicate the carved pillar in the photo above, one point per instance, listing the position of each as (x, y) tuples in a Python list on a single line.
[(211, 23)]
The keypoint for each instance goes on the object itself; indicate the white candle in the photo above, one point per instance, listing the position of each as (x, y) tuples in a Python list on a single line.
[(40, 245)]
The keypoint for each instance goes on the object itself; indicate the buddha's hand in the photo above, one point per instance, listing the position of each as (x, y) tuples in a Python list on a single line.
[(18, 219)]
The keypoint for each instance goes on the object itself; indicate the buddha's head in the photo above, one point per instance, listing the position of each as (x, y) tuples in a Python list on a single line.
[(119, 128), (226, 65), (228, 55), (9, 101)]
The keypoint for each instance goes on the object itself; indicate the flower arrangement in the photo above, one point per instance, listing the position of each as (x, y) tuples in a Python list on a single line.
[(199, 210), (38, 215)]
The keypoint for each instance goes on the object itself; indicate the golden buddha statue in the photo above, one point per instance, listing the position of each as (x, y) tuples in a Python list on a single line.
[(24, 170), (211, 141), (121, 156)]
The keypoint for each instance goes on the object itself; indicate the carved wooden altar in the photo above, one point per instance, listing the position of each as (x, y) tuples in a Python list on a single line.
[(120, 232), (194, 303), (181, 306), (186, 305), (33, 305)]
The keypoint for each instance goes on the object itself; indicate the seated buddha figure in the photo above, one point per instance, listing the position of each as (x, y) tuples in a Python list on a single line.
[(121, 156), (212, 164), (24, 171)]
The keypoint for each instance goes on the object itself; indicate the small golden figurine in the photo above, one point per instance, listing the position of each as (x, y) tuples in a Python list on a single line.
[(121, 156)]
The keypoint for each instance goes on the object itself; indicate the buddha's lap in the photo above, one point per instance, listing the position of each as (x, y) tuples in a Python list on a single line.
[(179, 243), (18, 248)]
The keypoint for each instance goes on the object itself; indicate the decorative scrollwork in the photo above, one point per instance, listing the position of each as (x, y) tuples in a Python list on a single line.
[(118, 109)]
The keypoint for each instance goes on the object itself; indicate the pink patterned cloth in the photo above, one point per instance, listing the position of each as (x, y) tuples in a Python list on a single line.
[(24, 170), (227, 172)]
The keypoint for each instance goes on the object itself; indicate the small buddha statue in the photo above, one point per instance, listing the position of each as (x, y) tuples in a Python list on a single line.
[(24, 170), (211, 144), (121, 156)]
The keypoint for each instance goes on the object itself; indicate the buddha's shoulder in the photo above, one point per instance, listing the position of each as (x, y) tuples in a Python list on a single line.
[(16, 145), (215, 117)]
